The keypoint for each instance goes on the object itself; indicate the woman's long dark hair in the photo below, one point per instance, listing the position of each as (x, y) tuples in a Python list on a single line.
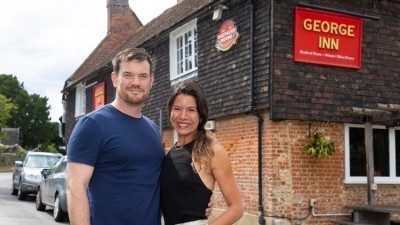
[(202, 151)]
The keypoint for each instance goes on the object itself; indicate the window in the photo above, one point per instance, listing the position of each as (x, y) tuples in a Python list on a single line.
[(80, 100), (183, 52), (61, 167), (386, 148)]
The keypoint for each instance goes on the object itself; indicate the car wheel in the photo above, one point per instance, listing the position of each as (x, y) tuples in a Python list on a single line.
[(14, 191), (39, 205), (58, 214), (21, 194)]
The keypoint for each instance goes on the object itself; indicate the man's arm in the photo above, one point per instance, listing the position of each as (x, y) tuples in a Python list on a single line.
[(78, 177)]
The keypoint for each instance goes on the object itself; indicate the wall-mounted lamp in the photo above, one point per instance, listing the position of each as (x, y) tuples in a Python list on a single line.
[(218, 11), (210, 125)]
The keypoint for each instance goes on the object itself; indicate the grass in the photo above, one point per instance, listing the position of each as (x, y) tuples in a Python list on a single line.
[(6, 168)]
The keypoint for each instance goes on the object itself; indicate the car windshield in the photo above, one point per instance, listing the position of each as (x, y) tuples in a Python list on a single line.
[(41, 161)]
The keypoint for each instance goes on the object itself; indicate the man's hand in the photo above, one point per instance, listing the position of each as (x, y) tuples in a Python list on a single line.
[(209, 209)]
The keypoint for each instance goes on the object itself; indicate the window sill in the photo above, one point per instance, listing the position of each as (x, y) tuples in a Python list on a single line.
[(377, 180), (183, 77)]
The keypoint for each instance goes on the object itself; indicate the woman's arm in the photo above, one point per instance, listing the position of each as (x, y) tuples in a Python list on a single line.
[(222, 172)]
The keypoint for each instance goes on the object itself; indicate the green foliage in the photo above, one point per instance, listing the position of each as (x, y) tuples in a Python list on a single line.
[(51, 148), (319, 146), (11, 149), (30, 114), (6, 108), (21, 152), (35, 128)]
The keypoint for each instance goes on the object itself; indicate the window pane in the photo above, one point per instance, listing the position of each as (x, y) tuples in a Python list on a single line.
[(180, 67), (83, 101), (179, 63), (183, 51), (381, 152), (188, 58), (358, 155), (188, 51), (80, 100), (179, 55), (195, 47), (357, 152), (397, 136)]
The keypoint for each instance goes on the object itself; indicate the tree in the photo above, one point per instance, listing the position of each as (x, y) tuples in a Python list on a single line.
[(6, 108), (34, 121), (31, 115)]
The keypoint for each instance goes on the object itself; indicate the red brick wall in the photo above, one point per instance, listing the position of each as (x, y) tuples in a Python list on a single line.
[(294, 177), (238, 134), (168, 138), (290, 176)]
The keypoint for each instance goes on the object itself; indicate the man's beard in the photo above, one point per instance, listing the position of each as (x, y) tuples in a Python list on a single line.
[(133, 100)]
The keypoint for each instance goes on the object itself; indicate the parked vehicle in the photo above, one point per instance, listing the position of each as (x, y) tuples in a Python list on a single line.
[(26, 176), (52, 190)]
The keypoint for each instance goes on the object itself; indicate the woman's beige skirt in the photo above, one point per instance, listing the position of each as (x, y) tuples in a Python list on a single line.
[(197, 222)]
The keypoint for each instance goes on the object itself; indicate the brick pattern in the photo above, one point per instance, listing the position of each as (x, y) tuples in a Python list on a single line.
[(290, 176), (224, 76), (71, 120), (122, 22), (295, 177), (238, 134), (312, 92), (301, 93)]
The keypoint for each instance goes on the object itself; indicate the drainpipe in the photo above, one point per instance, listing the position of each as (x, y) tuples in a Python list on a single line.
[(271, 59), (254, 112), (161, 122)]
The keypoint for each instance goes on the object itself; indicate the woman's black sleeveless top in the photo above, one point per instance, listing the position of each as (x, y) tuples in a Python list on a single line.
[(184, 197)]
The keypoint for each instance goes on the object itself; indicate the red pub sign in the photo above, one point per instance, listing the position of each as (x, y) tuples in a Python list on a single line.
[(99, 95), (327, 38), (227, 36)]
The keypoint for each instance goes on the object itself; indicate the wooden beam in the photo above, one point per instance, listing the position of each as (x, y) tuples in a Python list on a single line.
[(389, 107), (379, 116), (370, 162), (368, 111), (384, 112)]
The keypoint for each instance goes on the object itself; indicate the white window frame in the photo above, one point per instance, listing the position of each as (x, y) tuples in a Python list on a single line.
[(391, 179), (80, 99), (180, 32)]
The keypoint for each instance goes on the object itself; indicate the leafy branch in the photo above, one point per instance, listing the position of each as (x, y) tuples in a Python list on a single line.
[(319, 146)]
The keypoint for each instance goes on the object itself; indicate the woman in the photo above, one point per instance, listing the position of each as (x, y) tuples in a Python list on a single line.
[(194, 164)]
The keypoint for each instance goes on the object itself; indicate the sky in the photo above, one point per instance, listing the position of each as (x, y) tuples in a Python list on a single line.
[(43, 42)]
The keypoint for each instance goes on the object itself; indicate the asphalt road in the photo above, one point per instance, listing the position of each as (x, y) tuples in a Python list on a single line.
[(15, 212)]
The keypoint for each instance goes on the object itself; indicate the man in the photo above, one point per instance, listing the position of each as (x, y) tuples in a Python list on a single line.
[(115, 153)]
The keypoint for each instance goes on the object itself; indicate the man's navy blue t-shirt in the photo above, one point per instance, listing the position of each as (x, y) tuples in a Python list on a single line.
[(127, 156)]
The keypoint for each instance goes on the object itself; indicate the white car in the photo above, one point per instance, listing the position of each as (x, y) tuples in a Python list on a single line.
[(27, 176)]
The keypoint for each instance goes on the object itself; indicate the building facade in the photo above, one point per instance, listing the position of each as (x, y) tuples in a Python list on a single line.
[(266, 101)]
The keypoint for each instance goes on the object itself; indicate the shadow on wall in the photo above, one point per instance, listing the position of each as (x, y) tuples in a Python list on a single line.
[(248, 219)]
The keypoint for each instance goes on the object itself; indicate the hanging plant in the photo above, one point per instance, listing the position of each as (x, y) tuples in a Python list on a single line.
[(319, 146)]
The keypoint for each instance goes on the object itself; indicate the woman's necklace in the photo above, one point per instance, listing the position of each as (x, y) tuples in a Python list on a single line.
[(177, 147)]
